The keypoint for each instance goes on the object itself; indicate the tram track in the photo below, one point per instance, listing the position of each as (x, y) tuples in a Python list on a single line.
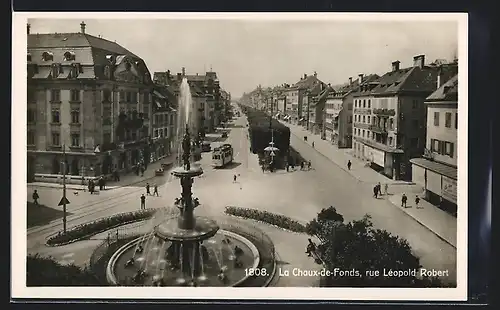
[(115, 202)]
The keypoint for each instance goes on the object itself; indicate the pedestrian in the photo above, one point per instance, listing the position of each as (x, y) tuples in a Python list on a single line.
[(386, 188), (287, 167), (142, 171), (417, 201), (143, 202), (379, 186), (104, 184), (263, 168), (349, 165), (234, 178), (301, 165), (156, 191), (375, 191), (309, 165), (35, 197), (313, 144), (148, 189), (403, 200)]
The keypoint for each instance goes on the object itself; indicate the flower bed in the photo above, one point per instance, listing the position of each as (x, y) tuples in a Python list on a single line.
[(277, 220), (89, 229)]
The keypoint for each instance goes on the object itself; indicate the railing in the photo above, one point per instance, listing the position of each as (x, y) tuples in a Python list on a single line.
[(378, 129), (362, 111), (384, 112), (362, 125)]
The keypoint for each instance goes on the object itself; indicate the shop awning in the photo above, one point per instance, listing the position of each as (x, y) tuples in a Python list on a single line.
[(442, 169), (300, 120)]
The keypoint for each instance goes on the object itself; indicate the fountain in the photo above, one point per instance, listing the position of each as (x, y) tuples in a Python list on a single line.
[(181, 248)]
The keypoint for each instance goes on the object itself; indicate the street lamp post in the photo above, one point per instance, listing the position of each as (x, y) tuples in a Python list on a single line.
[(64, 188)]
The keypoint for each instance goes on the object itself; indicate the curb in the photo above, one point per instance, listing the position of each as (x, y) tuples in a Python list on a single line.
[(422, 224), (347, 170)]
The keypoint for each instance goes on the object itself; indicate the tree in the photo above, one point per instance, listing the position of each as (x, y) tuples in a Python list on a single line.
[(355, 251), (45, 271)]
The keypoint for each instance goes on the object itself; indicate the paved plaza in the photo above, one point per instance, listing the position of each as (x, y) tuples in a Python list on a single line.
[(298, 194)]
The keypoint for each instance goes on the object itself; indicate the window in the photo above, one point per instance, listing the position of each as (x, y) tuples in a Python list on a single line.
[(75, 95), (368, 134), (363, 133), (55, 95), (364, 103), (47, 56), (75, 116), (369, 104), (106, 95), (31, 116), (447, 120), (364, 119), (436, 118), (391, 123), (56, 69), (156, 133), (106, 138), (391, 141), (31, 137), (449, 149), (68, 56), (56, 141), (75, 139), (55, 116), (368, 119), (456, 120), (29, 57)]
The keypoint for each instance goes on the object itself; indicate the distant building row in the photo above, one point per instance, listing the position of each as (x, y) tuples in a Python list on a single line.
[(403, 122), (97, 99)]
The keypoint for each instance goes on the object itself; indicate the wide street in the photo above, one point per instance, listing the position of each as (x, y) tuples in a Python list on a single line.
[(299, 194)]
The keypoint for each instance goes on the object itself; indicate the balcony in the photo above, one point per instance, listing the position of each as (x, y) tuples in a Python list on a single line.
[(363, 111), (362, 125), (384, 112), (378, 129)]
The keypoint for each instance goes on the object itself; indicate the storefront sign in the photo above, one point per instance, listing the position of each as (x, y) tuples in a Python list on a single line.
[(449, 189), (377, 157)]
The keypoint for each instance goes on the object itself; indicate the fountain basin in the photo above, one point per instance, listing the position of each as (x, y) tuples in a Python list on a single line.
[(169, 229), (193, 171), (117, 274)]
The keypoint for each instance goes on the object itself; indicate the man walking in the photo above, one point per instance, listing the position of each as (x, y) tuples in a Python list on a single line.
[(417, 201), (403, 200), (375, 191), (143, 202), (148, 192), (35, 197), (386, 188), (156, 191), (349, 164), (234, 178)]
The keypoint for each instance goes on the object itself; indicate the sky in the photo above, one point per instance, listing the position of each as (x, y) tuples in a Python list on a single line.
[(249, 52)]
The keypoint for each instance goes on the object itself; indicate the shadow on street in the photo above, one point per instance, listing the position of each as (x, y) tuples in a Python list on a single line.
[(39, 215)]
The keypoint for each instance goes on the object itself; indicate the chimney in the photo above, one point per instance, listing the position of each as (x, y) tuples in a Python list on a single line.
[(168, 75), (360, 78), (183, 71), (395, 65), (82, 26), (305, 76), (28, 26), (315, 74), (439, 76), (419, 61), (350, 81)]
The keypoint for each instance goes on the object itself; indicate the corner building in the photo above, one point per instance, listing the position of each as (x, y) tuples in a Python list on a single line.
[(90, 96)]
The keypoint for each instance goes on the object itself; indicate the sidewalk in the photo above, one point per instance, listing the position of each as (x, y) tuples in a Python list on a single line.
[(340, 157), (125, 180), (436, 220)]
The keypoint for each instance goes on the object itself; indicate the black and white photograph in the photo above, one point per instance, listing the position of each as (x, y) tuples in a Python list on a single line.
[(290, 152)]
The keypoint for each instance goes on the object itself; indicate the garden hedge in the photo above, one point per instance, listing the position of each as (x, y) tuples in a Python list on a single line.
[(90, 229), (277, 220)]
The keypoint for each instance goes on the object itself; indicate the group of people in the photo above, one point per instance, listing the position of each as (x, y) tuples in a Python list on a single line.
[(304, 165), (404, 199), (377, 190), (148, 193)]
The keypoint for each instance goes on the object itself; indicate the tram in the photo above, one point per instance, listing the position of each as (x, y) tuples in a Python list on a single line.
[(222, 155)]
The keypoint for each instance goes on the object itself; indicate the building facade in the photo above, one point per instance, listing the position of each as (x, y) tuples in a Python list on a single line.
[(436, 170), (389, 117), (316, 104), (164, 123), (90, 98)]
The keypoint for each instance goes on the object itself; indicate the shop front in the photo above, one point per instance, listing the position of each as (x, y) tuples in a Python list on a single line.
[(439, 182)]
